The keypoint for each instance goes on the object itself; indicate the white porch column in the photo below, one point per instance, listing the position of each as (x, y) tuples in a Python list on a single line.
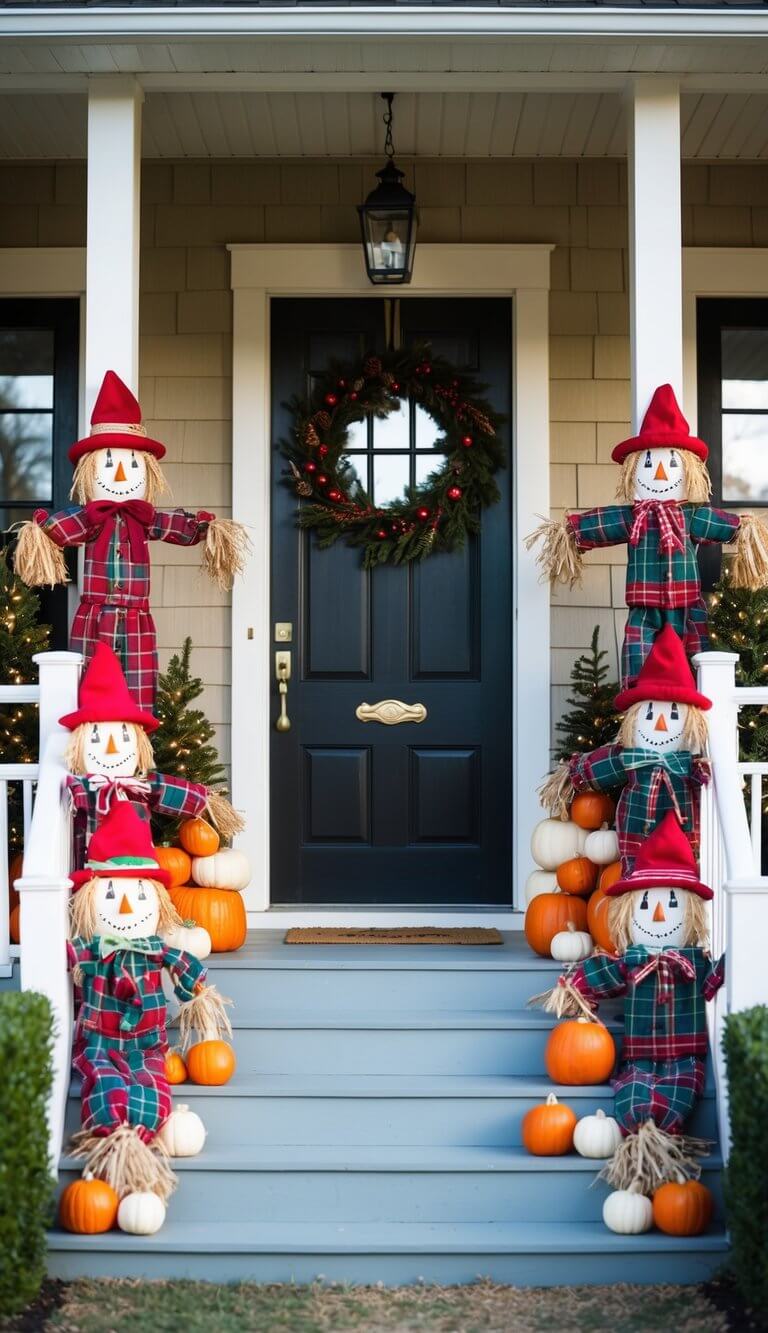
[(112, 261), (655, 240)]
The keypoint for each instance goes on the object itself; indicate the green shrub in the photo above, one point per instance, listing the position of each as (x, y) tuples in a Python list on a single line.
[(26, 1187), (745, 1043)]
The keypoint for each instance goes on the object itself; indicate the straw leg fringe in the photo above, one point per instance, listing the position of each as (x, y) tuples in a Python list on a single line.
[(223, 815), (206, 1015), (557, 792), (559, 558), (39, 562), (226, 547), (651, 1157), (749, 568), (125, 1161)]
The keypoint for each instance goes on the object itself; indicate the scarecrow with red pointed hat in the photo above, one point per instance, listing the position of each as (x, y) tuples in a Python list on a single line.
[(119, 912), (656, 758), (110, 758), (663, 515), (116, 482)]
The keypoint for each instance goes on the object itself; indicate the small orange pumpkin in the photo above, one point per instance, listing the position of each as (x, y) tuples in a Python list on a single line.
[(14, 872), (88, 1206), (14, 924), (547, 1130), (211, 1062), (592, 809), (175, 1068), (198, 837), (609, 875), (577, 876), (579, 1051), (683, 1207), (549, 913), (597, 916), (221, 912), (177, 862)]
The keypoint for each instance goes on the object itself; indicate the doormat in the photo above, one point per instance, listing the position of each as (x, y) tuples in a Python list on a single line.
[(397, 935)]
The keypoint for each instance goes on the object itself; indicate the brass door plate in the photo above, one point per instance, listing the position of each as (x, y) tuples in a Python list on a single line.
[(283, 631), (391, 712)]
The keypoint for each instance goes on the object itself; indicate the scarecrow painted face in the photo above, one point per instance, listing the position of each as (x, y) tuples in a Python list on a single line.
[(111, 748), (658, 918), (121, 474), (659, 726), (660, 475), (127, 906)]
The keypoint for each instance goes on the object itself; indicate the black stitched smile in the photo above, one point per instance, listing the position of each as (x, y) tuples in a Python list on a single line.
[(662, 935), (656, 745)]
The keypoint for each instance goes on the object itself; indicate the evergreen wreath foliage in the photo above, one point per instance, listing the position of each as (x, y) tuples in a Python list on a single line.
[(435, 515), (592, 720)]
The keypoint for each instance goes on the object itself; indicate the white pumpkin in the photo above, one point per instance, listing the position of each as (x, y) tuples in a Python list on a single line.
[(226, 869), (628, 1212), (597, 1135), (183, 1133), (554, 841), (571, 945), (540, 881), (141, 1214), (602, 846), (190, 938)]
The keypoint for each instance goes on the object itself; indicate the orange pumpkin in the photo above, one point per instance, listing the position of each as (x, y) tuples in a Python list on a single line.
[(547, 1130), (549, 913), (177, 862), (579, 1052), (221, 912), (175, 1068), (198, 837), (683, 1208), (14, 871), (578, 876), (14, 925), (609, 875), (597, 917), (211, 1062), (592, 809), (88, 1206)]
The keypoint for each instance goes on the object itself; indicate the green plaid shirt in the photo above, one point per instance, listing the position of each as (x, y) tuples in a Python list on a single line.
[(123, 997)]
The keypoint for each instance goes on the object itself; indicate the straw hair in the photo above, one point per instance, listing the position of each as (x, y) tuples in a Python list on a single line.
[(84, 479), (74, 755), (698, 486), (557, 792), (38, 561), (651, 1156), (695, 731), (82, 908), (695, 917), (224, 552), (749, 567), (223, 815), (125, 1161), (559, 558)]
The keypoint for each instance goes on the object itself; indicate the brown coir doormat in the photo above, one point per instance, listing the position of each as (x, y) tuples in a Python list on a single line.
[(400, 935)]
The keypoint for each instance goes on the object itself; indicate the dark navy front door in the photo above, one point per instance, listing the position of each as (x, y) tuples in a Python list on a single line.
[(364, 813)]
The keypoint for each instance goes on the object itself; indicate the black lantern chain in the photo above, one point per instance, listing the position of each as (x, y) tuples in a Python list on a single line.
[(388, 218)]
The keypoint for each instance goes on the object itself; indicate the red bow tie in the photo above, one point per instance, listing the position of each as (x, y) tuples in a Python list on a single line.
[(668, 965), (671, 521), (138, 514)]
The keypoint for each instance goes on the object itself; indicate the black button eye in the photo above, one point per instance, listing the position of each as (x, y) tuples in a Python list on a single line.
[(109, 458), (644, 903), (126, 737), (142, 893), (672, 898), (134, 462), (648, 459), (94, 733), (110, 890), (649, 713), (673, 460), (674, 714)]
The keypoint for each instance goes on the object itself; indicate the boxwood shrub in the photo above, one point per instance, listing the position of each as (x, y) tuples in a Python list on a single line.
[(745, 1043), (26, 1187)]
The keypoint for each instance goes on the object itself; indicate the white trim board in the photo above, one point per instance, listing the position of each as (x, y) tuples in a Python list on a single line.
[(260, 272), (714, 271)]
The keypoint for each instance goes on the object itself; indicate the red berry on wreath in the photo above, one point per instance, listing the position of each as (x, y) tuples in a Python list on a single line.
[(334, 495), (321, 479), (310, 466), (394, 386), (323, 450), (352, 396), (330, 399), (342, 384), (466, 440), (381, 533), (422, 514), (454, 492)]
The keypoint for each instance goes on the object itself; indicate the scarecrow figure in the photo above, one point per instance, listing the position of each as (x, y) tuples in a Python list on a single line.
[(116, 482), (118, 910), (110, 758), (658, 920), (656, 757), (664, 514)]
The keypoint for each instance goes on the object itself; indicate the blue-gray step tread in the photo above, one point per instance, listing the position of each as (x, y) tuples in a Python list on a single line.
[(402, 1020), (266, 949)]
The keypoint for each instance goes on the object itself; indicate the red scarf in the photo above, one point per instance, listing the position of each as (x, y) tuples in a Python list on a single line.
[(138, 515), (668, 965), (670, 518)]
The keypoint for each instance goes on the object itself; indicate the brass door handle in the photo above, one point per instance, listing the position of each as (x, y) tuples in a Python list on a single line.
[(391, 712), (283, 675)]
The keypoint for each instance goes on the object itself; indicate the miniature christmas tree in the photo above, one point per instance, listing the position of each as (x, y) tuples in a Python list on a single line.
[(739, 624), (592, 720), (182, 742), (20, 638)]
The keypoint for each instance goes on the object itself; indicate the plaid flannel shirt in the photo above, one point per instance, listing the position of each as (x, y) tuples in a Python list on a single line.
[(123, 999), (654, 577), (664, 1014), (156, 792)]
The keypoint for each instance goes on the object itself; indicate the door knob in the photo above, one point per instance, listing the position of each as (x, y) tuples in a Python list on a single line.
[(283, 675)]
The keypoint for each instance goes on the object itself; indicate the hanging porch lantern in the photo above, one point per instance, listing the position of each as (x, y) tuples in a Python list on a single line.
[(388, 219)]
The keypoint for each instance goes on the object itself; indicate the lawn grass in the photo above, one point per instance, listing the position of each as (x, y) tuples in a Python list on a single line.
[(186, 1307)]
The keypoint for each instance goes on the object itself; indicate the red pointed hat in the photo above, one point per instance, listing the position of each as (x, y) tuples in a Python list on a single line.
[(116, 421), (664, 426), (665, 674), (665, 860), (104, 695), (121, 848)]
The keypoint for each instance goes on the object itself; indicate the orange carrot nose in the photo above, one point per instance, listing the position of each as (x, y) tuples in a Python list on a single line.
[(120, 474), (658, 912), (111, 747), (127, 910), (660, 723), (660, 474)]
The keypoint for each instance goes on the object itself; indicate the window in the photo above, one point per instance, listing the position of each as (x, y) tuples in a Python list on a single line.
[(733, 398)]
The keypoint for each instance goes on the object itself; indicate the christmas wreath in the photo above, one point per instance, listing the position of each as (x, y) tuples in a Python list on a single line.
[(437, 514)]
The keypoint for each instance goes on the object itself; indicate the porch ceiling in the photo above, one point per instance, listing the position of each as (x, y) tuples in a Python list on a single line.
[(727, 126)]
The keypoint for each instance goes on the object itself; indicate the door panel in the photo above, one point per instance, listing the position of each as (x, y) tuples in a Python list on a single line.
[(419, 812)]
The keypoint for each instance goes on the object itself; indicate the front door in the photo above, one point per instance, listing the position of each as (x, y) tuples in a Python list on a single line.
[(416, 813)]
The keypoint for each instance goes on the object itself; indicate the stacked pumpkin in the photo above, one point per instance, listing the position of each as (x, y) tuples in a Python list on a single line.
[(576, 861), (206, 883)]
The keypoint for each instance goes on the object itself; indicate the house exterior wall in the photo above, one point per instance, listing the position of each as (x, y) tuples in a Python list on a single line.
[(191, 210)]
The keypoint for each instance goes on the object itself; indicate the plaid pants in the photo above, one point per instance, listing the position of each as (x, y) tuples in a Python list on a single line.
[(644, 623), (664, 1091), (130, 632), (123, 1083)]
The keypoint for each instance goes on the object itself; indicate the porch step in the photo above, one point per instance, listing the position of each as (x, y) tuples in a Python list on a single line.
[(523, 1253)]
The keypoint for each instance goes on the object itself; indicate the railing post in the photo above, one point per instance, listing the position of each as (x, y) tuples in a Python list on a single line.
[(717, 680), (59, 676), (746, 925)]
